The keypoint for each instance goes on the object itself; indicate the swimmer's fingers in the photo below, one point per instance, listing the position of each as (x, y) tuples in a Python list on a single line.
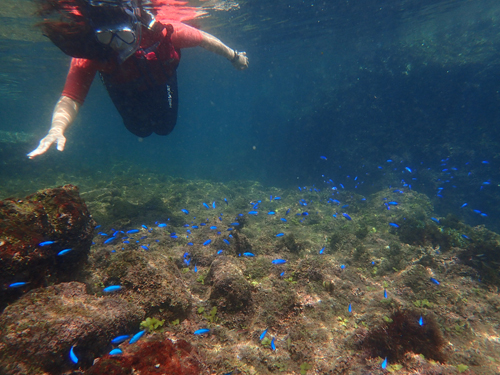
[(46, 142), (242, 62)]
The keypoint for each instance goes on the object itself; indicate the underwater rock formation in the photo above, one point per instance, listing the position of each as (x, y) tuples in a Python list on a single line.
[(33, 231), (230, 290), (150, 357), (39, 329)]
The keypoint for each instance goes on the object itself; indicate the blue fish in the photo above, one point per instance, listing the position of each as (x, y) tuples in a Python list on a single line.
[(273, 347), (207, 242), (394, 225), (185, 211), (213, 204), (72, 355), (145, 247), (323, 157), (46, 243), (201, 331), (463, 205), (112, 288), (195, 268), (190, 244), (18, 284), (465, 236), (271, 213), (342, 266), (322, 250), (408, 169), (144, 226), (385, 293), (279, 261), (65, 251), (393, 203), (213, 227), (263, 334), (206, 205), (287, 212), (119, 339), (248, 254), (132, 231), (421, 321), (195, 227), (349, 308), (280, 234), (111, 239), (282, 274), (384, 363), (235, 224), (346, 216), (225, 200), (116, 351), (219, 252), (435, 220), (434, 281), (226, 241), (136, 337), (283, 220), (253, 212)]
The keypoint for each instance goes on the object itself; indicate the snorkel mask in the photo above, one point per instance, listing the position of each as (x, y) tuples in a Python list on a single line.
[(116, 26)]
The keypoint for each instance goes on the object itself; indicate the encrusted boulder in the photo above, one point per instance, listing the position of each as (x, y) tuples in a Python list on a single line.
[(56, 218), (231, 292), (151, 356), (39, 329)]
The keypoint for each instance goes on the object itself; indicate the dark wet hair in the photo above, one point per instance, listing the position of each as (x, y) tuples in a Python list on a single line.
[(67, 24)]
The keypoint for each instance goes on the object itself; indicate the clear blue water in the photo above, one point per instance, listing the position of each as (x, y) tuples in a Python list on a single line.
[(357, 82)]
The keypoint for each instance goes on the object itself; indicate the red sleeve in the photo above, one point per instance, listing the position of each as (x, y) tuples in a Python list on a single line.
[(185, 36), (80, 76)]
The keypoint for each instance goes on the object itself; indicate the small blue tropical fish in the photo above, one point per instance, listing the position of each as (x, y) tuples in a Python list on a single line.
[(435, 220), (185, 211), (434, 281), (213, 204), (119, 339), (65, 251), (349, 308), (206, 205), (263, 334), (225, 200), (111, 239), (132, 231), (271, 213), (421, 321), (394, 225), (226, 241), (280, 234), (136, 337), (273, 347), (322, 250), (283, 220), (73, 356), (116, 351), (201, 331), (253, 212), (219, 252), (18, 284), (323, 157), (279, 261), (248, 254), (207, 242), (46, 243), (384, 363), (385, 293), (145, 247), (346, 216), (112, 288)]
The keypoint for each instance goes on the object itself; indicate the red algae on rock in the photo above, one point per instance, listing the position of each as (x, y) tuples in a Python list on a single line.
[(150, 357)]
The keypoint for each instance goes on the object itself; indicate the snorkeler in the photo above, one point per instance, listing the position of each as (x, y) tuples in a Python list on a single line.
[(136, 57)]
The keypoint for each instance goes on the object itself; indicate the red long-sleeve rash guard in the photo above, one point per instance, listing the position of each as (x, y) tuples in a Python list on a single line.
[(82, 71)]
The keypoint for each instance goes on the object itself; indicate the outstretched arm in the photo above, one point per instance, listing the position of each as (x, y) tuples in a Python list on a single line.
[(64, 113), (211, 43)]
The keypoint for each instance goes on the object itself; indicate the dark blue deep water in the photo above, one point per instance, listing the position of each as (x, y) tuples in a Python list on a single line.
[(358, 82)]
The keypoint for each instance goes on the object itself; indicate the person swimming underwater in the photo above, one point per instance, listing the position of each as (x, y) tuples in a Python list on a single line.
[(136, 57)]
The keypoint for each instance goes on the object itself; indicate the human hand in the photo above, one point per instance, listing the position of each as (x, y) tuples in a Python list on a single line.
[(55, 135), (241, 63)]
